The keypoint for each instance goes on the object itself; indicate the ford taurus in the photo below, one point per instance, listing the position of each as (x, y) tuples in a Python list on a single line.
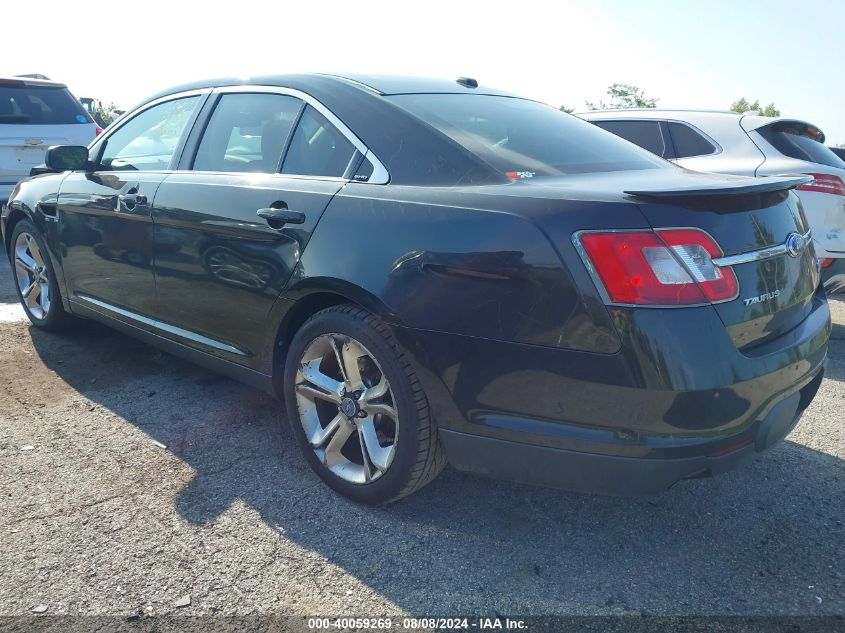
[(429, 271)]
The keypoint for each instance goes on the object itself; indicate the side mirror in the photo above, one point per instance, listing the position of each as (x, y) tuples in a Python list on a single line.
[(66, 157)]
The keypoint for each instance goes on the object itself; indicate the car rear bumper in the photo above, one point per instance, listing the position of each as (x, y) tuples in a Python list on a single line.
[(679, 400), (608, 474), (833, 277)]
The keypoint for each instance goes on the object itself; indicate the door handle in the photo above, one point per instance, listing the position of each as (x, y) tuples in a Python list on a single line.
[(277, 218), (132, 199)]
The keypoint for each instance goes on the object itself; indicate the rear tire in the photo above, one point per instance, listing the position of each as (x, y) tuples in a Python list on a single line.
[(35, 278), (375, 441)]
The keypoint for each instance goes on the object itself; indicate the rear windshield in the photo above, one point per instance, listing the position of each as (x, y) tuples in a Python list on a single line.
[(801, 141), (523, 138), (40, 105)]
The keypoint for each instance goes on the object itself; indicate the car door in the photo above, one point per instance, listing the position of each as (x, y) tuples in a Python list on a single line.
[(104, 213), (230, 226)]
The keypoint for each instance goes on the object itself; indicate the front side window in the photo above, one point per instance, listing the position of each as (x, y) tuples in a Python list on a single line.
[(517, 136), (247, 132), (317, 148), (148, 140), (40, 105)]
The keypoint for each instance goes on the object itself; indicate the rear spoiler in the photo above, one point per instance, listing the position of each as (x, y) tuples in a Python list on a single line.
[(738, 187), (751, 123)]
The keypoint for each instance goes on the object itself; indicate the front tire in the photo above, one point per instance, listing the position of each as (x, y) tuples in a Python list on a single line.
[(35, 279), (357, 409)]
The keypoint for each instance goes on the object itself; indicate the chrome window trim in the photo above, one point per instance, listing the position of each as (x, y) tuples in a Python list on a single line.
[(164, 327), (761, 254), (380, 175)]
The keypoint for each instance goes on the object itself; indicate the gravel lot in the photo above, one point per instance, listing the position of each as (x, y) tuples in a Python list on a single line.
[(132, 479)]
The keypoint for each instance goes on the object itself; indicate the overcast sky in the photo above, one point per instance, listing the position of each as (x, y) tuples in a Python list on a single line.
[(687, 54)]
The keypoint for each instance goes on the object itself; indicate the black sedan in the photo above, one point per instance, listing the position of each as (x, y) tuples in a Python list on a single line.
[(432, 271)]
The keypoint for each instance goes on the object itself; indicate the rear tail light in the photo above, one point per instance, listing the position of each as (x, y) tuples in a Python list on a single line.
[(825, 183), (669, 267), (98, 131), (826, 263)]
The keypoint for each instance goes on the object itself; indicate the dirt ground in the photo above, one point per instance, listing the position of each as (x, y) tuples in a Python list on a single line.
[(133, 482)]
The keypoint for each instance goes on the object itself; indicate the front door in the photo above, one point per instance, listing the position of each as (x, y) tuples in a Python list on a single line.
[(229, 231), (104, 213)]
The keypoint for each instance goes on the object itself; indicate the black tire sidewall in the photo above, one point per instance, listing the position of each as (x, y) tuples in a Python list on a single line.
[(395, 480), (55, 316)]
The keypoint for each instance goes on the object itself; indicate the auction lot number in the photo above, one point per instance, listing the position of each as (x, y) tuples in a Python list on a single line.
[(410, 624)]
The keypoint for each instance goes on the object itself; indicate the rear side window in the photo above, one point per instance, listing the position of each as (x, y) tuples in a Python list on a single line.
[(522, 138), (689, 142), (247, 132), (317, 148), (646, 134), (40, 105), (801, 141)]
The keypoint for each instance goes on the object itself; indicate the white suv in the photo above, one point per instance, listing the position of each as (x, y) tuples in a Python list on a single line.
[(750, 145), (35, 114)]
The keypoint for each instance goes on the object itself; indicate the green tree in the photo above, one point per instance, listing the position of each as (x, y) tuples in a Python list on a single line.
[(624, 96), (567, 110), (742, 105), (104, 115)]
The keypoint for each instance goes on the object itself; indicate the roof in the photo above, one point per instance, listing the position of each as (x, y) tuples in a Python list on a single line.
[(655, 112), (31, 81), (749, 121), (372, 84), (396, 84)]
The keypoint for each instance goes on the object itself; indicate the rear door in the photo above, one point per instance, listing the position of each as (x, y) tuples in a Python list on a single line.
[(231, 224), (33, 117), (104, 213)]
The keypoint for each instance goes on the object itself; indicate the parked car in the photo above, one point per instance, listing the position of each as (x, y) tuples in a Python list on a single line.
[(749, 145), (35, 114), (429, 270)]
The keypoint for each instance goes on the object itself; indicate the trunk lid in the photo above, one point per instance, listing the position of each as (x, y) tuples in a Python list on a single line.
[(754, 221)]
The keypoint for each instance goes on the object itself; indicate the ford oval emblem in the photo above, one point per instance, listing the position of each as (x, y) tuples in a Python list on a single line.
[(794, 244)]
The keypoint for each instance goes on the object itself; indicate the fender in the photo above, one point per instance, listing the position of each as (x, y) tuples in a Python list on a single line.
[(456, 264)]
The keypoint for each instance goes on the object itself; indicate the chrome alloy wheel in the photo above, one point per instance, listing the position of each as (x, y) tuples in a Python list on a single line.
[(31, 273), (347, 408)]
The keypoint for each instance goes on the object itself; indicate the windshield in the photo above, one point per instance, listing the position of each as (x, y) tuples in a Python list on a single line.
[(524, 138), (40, 105)]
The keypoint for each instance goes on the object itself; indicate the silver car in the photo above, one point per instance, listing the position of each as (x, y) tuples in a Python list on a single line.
[(35, 114), (750, 145)]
